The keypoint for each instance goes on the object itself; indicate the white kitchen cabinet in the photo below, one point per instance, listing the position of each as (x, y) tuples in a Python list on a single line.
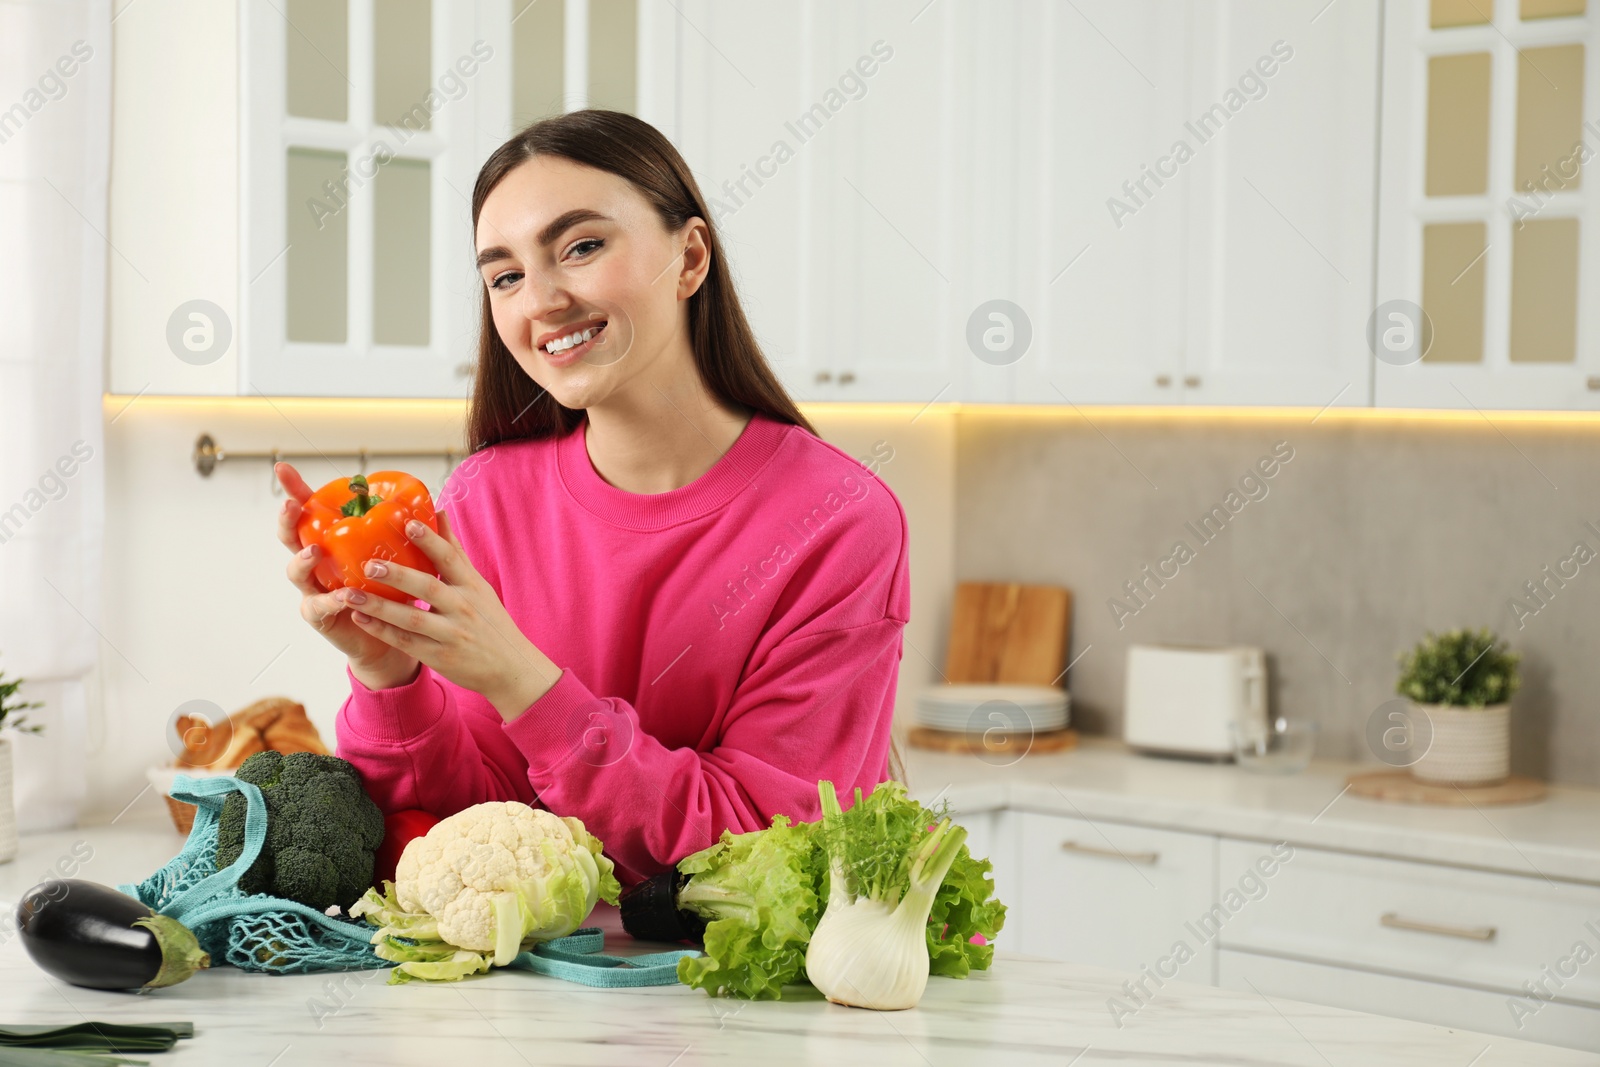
[(174, 197), (1485, 217), (961, 172), (1015, 154), (1479, 928), (887, 269), (1553, 1023), (989, 837), (1104, 288), (345, 210), (980, 831), (1163, 851), (1429, 942), (314, 236), (1420, 941), (826, 138), (1113, 895), (1221, 201), (728, 126), (946, 202), (1279, 251)]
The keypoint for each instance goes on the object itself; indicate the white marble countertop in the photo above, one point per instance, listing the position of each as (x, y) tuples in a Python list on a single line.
[(1558, 837), (1023, 1011)]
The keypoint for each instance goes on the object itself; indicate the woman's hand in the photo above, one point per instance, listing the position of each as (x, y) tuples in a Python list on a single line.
[(467, 636), (375, 664)]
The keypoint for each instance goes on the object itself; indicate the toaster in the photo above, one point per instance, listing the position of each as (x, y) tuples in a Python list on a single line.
[(1180, 699)]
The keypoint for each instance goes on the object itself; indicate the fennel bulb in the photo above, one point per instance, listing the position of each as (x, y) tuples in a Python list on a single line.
[(870, 948), (761, 894)]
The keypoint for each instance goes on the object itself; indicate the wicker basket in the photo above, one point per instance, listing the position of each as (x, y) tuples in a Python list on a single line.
[(161, 778), (277, 723), (182, 815)]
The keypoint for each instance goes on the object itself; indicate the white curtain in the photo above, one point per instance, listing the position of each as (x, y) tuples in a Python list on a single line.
[(55, 139)]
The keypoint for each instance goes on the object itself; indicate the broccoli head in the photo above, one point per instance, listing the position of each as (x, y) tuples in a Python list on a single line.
[(322, 829)]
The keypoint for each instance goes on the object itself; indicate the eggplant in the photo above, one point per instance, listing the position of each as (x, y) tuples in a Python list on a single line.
[(90, 935), (650, 910)]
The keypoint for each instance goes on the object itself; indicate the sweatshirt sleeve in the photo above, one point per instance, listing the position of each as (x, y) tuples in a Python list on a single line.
[(429, 744), (818, 706)]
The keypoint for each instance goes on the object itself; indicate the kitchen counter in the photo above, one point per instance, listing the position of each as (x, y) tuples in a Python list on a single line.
[(1023, 1011), (1556, 838)]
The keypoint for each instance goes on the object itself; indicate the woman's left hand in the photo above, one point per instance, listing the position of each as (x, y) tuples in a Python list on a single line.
[(467, 637)]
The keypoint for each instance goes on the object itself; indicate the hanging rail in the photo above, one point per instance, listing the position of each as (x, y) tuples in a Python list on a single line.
[(208, 454)]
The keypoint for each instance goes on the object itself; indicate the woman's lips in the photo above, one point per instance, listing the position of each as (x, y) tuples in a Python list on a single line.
[(576, 352)]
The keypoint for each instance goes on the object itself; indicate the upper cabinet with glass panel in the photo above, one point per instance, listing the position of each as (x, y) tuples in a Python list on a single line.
[(1485, 220), (364, 124)]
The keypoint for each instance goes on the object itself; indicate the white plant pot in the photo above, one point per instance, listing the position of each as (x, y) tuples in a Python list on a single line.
[(8, 811), (1471, 746)]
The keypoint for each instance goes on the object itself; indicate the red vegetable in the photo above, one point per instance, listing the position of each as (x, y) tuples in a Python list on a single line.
[(400, 828)]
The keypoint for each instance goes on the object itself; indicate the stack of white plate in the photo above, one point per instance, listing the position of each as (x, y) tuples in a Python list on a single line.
[(982, 707)]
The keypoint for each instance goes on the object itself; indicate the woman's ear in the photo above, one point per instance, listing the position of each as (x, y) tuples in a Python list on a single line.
[(696, 257)]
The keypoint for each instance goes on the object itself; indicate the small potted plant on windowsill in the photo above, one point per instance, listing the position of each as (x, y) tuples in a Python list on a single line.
[(11, 718), (1463, 682)]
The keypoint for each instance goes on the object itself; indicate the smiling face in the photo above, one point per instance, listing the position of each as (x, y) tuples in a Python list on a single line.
[(565, 248)]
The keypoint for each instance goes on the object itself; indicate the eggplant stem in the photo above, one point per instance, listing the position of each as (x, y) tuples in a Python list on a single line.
[(181, 954)]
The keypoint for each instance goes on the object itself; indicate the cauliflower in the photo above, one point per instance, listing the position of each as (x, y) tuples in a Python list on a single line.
[(481, 885)]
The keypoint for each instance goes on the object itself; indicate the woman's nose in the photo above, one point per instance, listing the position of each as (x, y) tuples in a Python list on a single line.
[(542, 297)]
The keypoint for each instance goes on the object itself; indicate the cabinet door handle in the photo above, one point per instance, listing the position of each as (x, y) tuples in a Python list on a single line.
[(1593, 381), (1471, 933), (846, 377), (1163, 380), (824, 376), (1144, 858), (1192, 381)]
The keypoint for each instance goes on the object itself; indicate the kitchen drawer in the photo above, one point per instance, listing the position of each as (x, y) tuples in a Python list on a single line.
[(1408, 998), (1113, 895), (1477, 928)]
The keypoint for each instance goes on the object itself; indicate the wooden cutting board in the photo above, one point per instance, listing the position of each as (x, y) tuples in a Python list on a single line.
[(1008, 632), (991, 743), (1399, 786)]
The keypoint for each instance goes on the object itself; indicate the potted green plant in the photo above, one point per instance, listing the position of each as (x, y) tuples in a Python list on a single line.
[(11, 718), (1463, 682)]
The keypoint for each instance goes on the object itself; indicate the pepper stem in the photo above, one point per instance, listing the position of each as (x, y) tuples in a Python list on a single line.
[(363, 501)]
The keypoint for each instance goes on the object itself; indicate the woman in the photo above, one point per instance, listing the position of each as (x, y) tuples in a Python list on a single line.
[(665, 606)]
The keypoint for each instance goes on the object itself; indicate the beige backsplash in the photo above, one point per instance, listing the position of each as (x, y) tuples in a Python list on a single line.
[(1376, 529)]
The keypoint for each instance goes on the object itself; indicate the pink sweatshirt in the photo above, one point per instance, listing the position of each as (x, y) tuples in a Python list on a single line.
[(723, 646)]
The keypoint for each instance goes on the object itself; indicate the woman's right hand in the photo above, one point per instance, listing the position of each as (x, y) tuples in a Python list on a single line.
[(375, 664)]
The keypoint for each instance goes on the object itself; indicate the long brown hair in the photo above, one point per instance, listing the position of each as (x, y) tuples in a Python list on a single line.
[(507, 404)]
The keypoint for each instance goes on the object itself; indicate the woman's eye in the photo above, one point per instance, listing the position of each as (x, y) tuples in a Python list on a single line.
[(586, 247)]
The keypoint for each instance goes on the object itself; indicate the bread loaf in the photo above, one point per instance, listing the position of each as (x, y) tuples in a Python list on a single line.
[(276, 723)]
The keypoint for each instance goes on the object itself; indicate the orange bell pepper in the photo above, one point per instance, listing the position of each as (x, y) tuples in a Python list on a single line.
[(357, 519)]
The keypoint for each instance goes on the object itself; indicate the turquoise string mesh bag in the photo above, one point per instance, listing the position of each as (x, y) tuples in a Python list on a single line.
[(251, 931)]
